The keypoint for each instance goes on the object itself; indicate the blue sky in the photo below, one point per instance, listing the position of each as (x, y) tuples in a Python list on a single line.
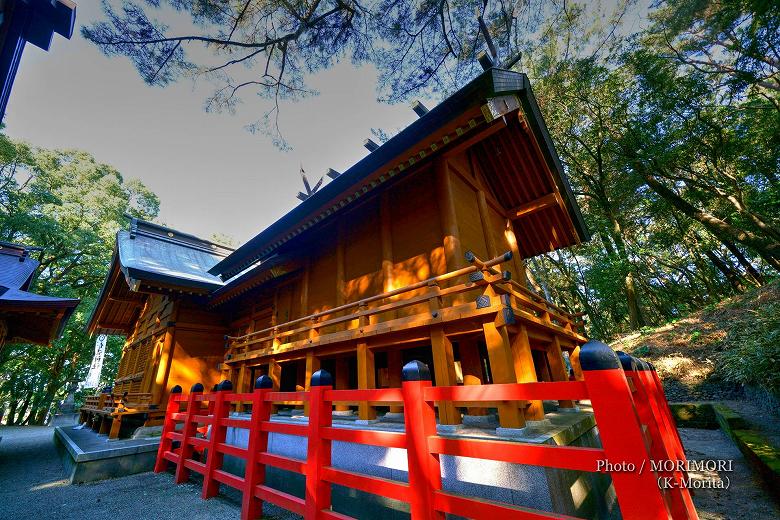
[(211, 174)]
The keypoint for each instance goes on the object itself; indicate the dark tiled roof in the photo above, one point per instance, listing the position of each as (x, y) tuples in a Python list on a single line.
[(151, 252), (12, 296), (16, 271), (30, 317)]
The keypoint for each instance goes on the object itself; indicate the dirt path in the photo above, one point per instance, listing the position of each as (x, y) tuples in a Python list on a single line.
[(745, 498), (33, 485)]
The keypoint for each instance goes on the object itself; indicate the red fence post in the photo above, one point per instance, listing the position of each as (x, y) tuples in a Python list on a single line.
[(666, 437), (620, 430), (169, 425), (219, 409), (185, 452), (420, 423), (319, 450), (251, 506)]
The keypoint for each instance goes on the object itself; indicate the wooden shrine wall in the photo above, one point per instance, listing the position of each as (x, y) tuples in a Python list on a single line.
[(388, 241), (143, 345)]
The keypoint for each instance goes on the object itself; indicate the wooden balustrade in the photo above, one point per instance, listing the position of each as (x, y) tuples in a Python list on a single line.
[(355, 316)]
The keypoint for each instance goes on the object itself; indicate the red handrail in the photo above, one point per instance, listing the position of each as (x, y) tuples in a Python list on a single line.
[(629, 406)]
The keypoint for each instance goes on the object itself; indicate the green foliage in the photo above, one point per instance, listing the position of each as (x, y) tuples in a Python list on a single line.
[(754, 354), (71, 206)]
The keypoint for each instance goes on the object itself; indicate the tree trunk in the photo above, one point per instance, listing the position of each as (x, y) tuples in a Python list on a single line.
[(757, 277), (766, 249), (731, 276)]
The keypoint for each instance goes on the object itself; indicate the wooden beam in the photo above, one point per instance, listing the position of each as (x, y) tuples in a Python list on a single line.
[(394, 366), (342, 380), (529, 208), (483, 134), (453, 252), (312, 365), (558, 367), (366, 379), (503, 370), (523, 362), (444, 372), (471, 366)]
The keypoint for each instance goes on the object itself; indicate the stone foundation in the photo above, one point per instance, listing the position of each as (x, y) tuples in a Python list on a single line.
[(585, 495)]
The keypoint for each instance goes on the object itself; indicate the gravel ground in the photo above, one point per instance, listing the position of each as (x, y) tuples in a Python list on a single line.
[(33, 485), (744, 499)]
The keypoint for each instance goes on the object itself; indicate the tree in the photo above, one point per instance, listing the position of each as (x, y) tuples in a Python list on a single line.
[(71, 206)]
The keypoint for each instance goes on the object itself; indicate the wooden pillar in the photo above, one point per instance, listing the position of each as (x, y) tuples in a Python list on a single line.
[(342, 380), (517, 260), (471, 366), (159, 390), (502, 368), (241, 383), (305, 288), (558, 367), (366, 379), (453, 253), (275, 373), (444, 371), (524, 369), (574, 358), (394, 367), (312, 365), (386, 236), (484, 215)]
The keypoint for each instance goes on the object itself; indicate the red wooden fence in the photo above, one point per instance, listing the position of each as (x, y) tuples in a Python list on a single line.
[(633, 417)]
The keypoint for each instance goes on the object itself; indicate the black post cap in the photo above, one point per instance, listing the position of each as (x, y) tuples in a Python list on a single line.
[(415, 371), (197, 387), (321, 378), (225, 386), (470, 256), (628, 362), (264, 382), (641, 364), (595, 355), (507, 256), (176, 389)]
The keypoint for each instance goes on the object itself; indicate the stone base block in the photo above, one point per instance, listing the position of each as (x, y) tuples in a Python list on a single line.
[(480, 421), (89, 457), (366, 422)]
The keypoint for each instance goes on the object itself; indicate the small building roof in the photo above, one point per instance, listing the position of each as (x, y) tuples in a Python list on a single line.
[(16, 266), (30, 317), (150, 258), (471, 111), (151, 252)]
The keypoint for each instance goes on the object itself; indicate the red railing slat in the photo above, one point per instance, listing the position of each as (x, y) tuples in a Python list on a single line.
[(562, 457), (280, 498), (231, 422), (287, 396), (479, 509), (229, 479), (281, 462), (233, 451), (285, 428), (370, 484), (568, 390), (372, 438), (625, 413), (392, 395)]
